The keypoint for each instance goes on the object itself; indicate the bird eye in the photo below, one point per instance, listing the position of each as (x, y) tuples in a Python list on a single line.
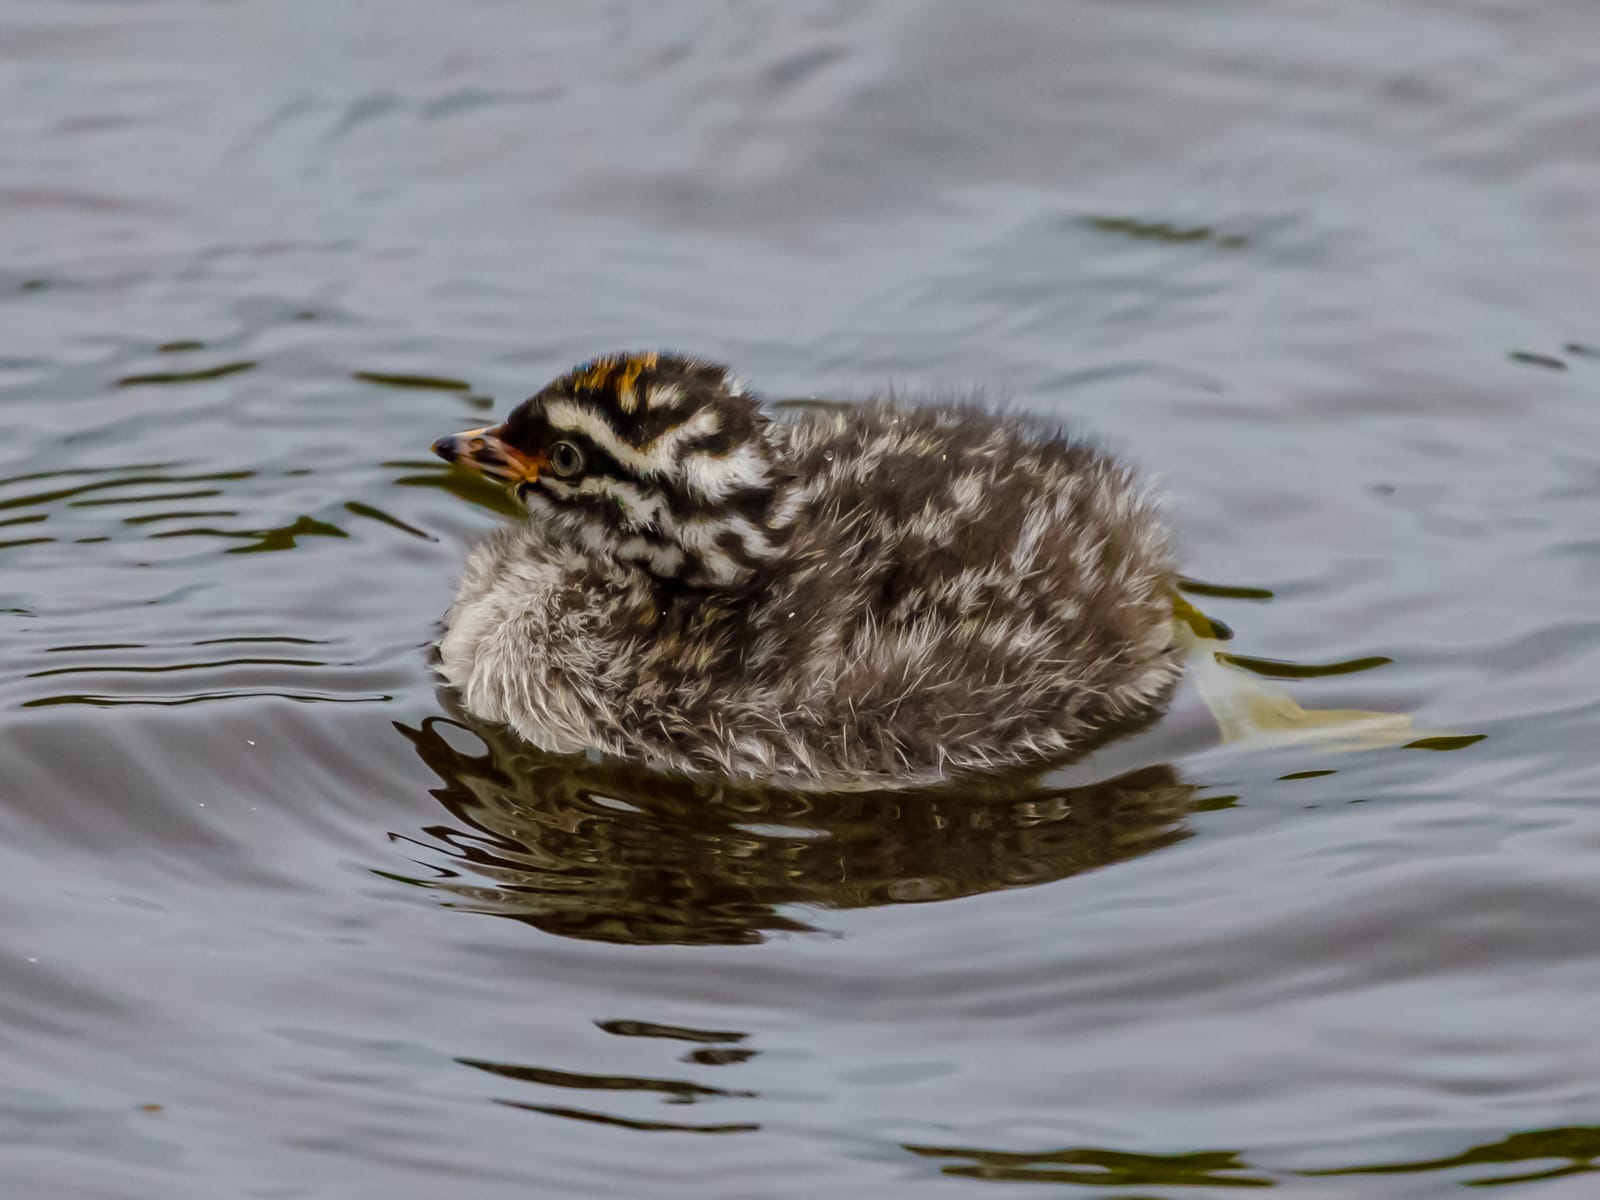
[(566, 460)]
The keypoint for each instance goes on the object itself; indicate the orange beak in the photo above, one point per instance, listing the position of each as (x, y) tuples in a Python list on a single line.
[(485, 451)]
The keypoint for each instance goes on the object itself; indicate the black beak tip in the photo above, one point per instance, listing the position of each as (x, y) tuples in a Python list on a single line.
[(447, 448)]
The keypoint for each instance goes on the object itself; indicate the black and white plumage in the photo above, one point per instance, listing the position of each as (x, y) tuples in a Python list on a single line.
[(880, 593)]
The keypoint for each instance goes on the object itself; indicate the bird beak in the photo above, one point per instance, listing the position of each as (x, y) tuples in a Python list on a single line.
[(484, 451)]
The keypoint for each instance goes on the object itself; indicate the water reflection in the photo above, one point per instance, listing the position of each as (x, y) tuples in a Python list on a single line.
[(1536, 1154), (711, 1048), (1099, 1168), (615, 852)]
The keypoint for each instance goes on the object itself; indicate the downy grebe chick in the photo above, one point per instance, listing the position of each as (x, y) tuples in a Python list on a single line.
[(883, 593)]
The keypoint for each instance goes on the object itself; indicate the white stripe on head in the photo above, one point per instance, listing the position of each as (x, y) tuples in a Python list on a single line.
[(666, 395), (640, 508), (657, 458), (715, 477), (565, 416), (704, 423)]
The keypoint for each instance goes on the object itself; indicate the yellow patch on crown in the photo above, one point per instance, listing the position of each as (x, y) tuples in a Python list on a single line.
[(618, 373), (627, 376), (593, 377)]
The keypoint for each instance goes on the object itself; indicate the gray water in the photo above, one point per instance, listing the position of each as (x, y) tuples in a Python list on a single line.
[(279, 923)]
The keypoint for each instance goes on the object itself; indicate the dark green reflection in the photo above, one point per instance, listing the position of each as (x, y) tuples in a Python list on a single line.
[(137, 480), (171, 667), (615, 852), (1459, 742), (1166, 231), (1529, 359), (146, 498), (282, 537), (377, 514), (676, 1091), (427, 383), (676, 1033), (578, 1114), (1100, 1168), (1571, 1150), (1273, 668), (1574, 1149), (183, 514), (90, 471), (202, 698), (667, 1091), (464, 485), (1226, 591), (217, 372)]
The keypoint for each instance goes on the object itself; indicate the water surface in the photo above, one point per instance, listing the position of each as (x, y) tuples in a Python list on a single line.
[(282, 923)]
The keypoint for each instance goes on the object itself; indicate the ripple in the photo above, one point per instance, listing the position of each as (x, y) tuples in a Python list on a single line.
[(1168, 232), (679, 1033), (282, 537), (1529, 358), (90, 646), (156, 498), (259, 639), (377, 514), (677, 1091), (200, 666), (178, 675), (1227, 591), (463, 485), (1446, 743), (73, 471), (1099, 1168), (579, 1114), (135, 480), (185, 514), (221, 371), (176, 509), (1568, 1151), (1574, 1151), (1273, 668), (427, 383), (102, 701)]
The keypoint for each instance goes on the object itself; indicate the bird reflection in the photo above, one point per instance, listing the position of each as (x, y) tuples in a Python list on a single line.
[(612, 851)]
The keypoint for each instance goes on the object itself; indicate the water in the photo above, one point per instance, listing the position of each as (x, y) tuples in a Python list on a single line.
[(279, 923)]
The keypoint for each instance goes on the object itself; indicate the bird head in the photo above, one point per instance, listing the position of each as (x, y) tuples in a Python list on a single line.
[(655, 460)]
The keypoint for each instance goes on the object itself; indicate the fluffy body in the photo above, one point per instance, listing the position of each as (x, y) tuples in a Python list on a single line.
[(923, 591)]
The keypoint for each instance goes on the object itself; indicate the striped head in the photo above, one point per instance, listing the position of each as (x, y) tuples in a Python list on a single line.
[(654, 460)]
